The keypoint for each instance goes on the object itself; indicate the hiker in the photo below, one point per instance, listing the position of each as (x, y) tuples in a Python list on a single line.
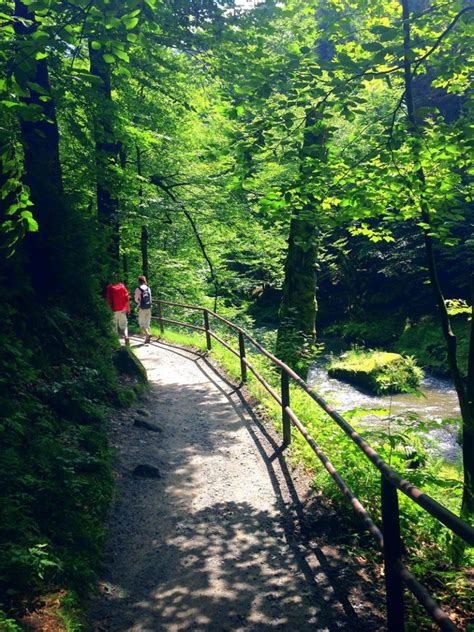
[(142, 298), (118, 298)]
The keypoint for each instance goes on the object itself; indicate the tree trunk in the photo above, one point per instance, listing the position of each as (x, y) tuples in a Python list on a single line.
[(144, 249), (144, 233), (467, 507), (465, 392), (298, 308), (40, 140), (107, 152)]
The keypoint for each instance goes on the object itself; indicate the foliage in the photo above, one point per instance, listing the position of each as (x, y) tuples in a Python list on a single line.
[(424, 341), (54, 461), (367, 330), (8, 624)]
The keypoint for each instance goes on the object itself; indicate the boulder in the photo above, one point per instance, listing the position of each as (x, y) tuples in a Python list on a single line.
[(379, 372), (126, 362)]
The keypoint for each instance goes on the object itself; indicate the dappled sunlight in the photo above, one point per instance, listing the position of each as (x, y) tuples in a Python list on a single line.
[(224, 540)]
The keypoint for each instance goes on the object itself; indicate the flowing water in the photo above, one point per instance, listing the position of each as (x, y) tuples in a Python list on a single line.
[(437, 402)]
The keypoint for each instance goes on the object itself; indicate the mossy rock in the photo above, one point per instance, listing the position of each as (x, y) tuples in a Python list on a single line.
[(379, 372), (126, 362)]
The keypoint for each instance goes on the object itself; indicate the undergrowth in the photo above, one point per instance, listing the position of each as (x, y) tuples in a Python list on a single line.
[(425, 341), (426, 540), (57, 382)]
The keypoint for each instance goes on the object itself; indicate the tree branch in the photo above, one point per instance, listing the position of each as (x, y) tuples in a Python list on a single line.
[(157, 181)]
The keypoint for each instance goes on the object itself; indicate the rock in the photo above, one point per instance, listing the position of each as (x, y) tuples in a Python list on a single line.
[(126, 362), (143, 412), (378, 372), (146, 425), (146, 471)]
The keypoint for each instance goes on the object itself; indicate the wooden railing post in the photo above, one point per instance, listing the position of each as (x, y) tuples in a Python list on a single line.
[(392, 549), (206, 327), (243, 366), (160, 317), (285, 401)]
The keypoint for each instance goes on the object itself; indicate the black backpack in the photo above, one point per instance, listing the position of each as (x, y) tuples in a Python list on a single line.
[(145, 298)]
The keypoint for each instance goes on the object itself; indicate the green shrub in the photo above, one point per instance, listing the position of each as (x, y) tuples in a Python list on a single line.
[(424, 340), (370, 332)]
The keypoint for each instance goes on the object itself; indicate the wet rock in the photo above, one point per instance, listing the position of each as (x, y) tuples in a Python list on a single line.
[(146, 425), (146, 471)]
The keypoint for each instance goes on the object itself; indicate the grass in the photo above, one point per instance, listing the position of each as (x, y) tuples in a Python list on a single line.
[(71, 612), (441, 481)]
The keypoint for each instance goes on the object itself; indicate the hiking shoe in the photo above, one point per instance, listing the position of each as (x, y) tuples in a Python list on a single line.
[(127, 342), (147, 339)]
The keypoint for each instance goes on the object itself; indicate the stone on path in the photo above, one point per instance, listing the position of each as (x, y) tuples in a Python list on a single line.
[(146, 471), (146, 425)]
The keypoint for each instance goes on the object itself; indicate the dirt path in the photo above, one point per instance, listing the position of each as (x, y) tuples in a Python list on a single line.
[(223, 540)]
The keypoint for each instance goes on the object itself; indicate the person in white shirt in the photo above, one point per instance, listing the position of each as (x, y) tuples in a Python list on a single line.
[(142, 296)]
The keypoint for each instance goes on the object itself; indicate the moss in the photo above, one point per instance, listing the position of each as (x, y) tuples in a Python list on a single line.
[(377, 371)]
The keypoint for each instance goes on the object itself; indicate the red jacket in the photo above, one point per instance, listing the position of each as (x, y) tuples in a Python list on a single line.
[(118, 297)]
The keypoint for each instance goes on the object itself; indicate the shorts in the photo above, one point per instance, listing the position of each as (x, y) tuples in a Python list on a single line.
[(120, 319), (144, 318)]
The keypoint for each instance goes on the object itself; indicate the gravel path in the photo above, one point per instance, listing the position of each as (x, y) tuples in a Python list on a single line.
[(223, 540)]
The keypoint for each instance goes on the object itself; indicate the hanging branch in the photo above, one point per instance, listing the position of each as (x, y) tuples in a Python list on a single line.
[(157, 181)]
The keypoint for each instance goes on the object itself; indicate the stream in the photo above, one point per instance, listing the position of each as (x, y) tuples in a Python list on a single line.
[(437, 402)]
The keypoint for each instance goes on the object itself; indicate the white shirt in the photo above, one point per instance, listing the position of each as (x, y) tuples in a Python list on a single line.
[(138, 295)]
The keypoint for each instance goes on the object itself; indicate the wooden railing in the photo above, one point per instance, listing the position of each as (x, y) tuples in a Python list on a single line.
[(388, 539)]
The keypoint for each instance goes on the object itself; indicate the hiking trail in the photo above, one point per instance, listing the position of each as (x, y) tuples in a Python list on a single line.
[(227, 538)]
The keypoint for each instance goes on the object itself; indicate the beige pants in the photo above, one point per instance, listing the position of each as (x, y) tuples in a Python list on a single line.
[(121, 323), (144, 318)]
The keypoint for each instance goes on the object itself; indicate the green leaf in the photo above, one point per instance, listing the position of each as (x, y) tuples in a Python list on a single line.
[(37, 88), (372, 47), (30, 221), (96, 45), (121, 54), (386, 33), (129, 23), (109, 59)]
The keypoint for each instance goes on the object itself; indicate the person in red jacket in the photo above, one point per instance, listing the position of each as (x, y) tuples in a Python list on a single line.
[(119, 300)]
